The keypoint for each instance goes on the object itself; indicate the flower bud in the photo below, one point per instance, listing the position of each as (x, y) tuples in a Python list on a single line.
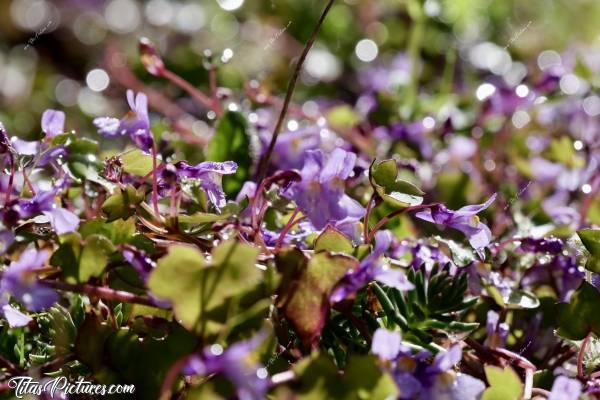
[(150, 57)]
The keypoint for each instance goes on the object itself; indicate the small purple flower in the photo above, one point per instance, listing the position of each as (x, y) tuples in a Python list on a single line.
[(53, 123), (20, 281), (14, 317), (139, 261), (542, 245), (562, 273), (497, 331), (320, 194), (372, 268), (61, 219), (465, 220), (136, 123), (235, 363), (7, 238), (386, 345), (416, 379), (210, 174), (565, 389)]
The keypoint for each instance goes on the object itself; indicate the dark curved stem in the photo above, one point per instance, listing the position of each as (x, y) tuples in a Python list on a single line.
[(100, 291), (290, 224), (394, 214), (264, 162), (154, 181)]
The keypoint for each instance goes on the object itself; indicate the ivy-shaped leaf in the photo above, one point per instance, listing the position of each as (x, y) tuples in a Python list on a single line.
[(307, 305), (333, 240), (194, 288), (591, 241), (504, 384)]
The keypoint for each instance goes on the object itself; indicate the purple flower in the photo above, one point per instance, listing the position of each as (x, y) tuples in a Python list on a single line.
[(210, 174), (465, 220), (20, 281), (497, 331), (53, 123), (236, 364), (320, 194), (139, 261), (14, 317), (416, 379), (136, 123), (290, 146), (562, 273), (386, 345), (61, 219), (372, 268), (565, 388), (542, 245), (6, 240)]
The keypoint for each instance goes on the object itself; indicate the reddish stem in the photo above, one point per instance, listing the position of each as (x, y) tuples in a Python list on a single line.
[(100, 291), (367, 214), (580, 371), (10, 180), (212, 79), (28, 182), (394, 214), (189, 88), (154, 181), (291, 222)]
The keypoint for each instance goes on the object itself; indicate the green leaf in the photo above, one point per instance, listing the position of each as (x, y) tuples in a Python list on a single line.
[(80, 260), (591, 241), (202, 218), (580, 315), (231, 142), (137, 162), (307, 307), (333, 240), (122, 204), (318, 379), (94, 257), (119, 231), (194, 288), (394, 191), (504, 384)]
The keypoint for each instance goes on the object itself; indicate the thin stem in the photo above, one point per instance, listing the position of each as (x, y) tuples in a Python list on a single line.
[(394, 214), (10, 180), (527, 392), (171, 376), (367, 214), (101, 292), (212, 79), (154, 181), (580, 371), (264, 163), (189, 88), (291, 222), (28, 182)]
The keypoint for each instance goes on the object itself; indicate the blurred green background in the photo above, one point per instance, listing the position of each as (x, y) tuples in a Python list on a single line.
[(80, 55)]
